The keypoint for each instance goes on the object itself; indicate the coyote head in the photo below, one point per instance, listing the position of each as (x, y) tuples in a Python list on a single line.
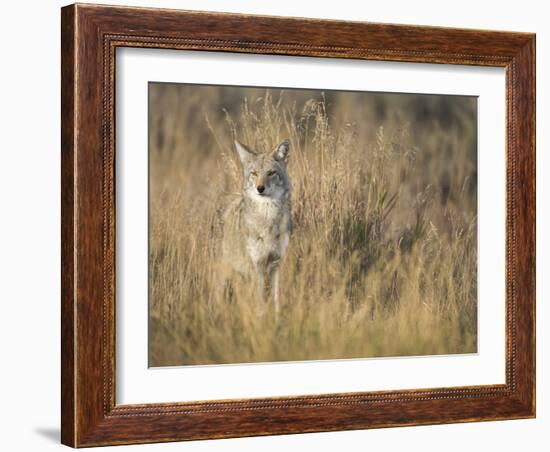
[(265, 174)]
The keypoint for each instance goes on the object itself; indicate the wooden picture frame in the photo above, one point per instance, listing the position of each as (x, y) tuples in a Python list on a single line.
[(90, 35)]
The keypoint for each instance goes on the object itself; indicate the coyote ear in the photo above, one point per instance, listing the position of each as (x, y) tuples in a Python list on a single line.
[(245, 153), (282, 152)]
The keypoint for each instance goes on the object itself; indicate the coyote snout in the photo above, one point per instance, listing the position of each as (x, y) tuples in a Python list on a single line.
[(256, 225)]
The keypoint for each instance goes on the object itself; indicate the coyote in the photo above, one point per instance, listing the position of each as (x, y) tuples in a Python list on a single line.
[(256, 225)]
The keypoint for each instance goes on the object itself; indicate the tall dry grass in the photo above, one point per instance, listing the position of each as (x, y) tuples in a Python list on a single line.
[(382, 260)]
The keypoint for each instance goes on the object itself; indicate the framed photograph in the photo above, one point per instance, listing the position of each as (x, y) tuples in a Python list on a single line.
[(281, 225)]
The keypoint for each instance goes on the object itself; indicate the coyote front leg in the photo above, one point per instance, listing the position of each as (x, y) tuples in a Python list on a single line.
[(268, 284), (261, 283), (273, 283)]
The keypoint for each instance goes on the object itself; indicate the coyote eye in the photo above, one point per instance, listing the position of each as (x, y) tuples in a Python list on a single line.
[(253, 173), (271, 173)]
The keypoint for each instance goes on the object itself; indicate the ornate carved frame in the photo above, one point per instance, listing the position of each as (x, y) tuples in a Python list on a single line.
[(90, 36)]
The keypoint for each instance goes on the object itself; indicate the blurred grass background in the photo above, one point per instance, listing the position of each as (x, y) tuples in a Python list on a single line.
[(383, 256)]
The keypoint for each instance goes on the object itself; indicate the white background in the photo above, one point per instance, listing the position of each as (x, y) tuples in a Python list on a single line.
[(138, 384), (29, 264)]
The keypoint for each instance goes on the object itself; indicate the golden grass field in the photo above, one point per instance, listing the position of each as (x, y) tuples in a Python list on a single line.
[(383, 256)]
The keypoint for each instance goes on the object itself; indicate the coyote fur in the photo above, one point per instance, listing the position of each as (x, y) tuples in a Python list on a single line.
[(256, 225)]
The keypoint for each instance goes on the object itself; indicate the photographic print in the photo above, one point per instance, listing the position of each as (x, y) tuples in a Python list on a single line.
[(325, 225), (292, 224)]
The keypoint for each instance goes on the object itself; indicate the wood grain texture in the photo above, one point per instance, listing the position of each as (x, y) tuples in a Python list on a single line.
[(68, 244), (90, 36)]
